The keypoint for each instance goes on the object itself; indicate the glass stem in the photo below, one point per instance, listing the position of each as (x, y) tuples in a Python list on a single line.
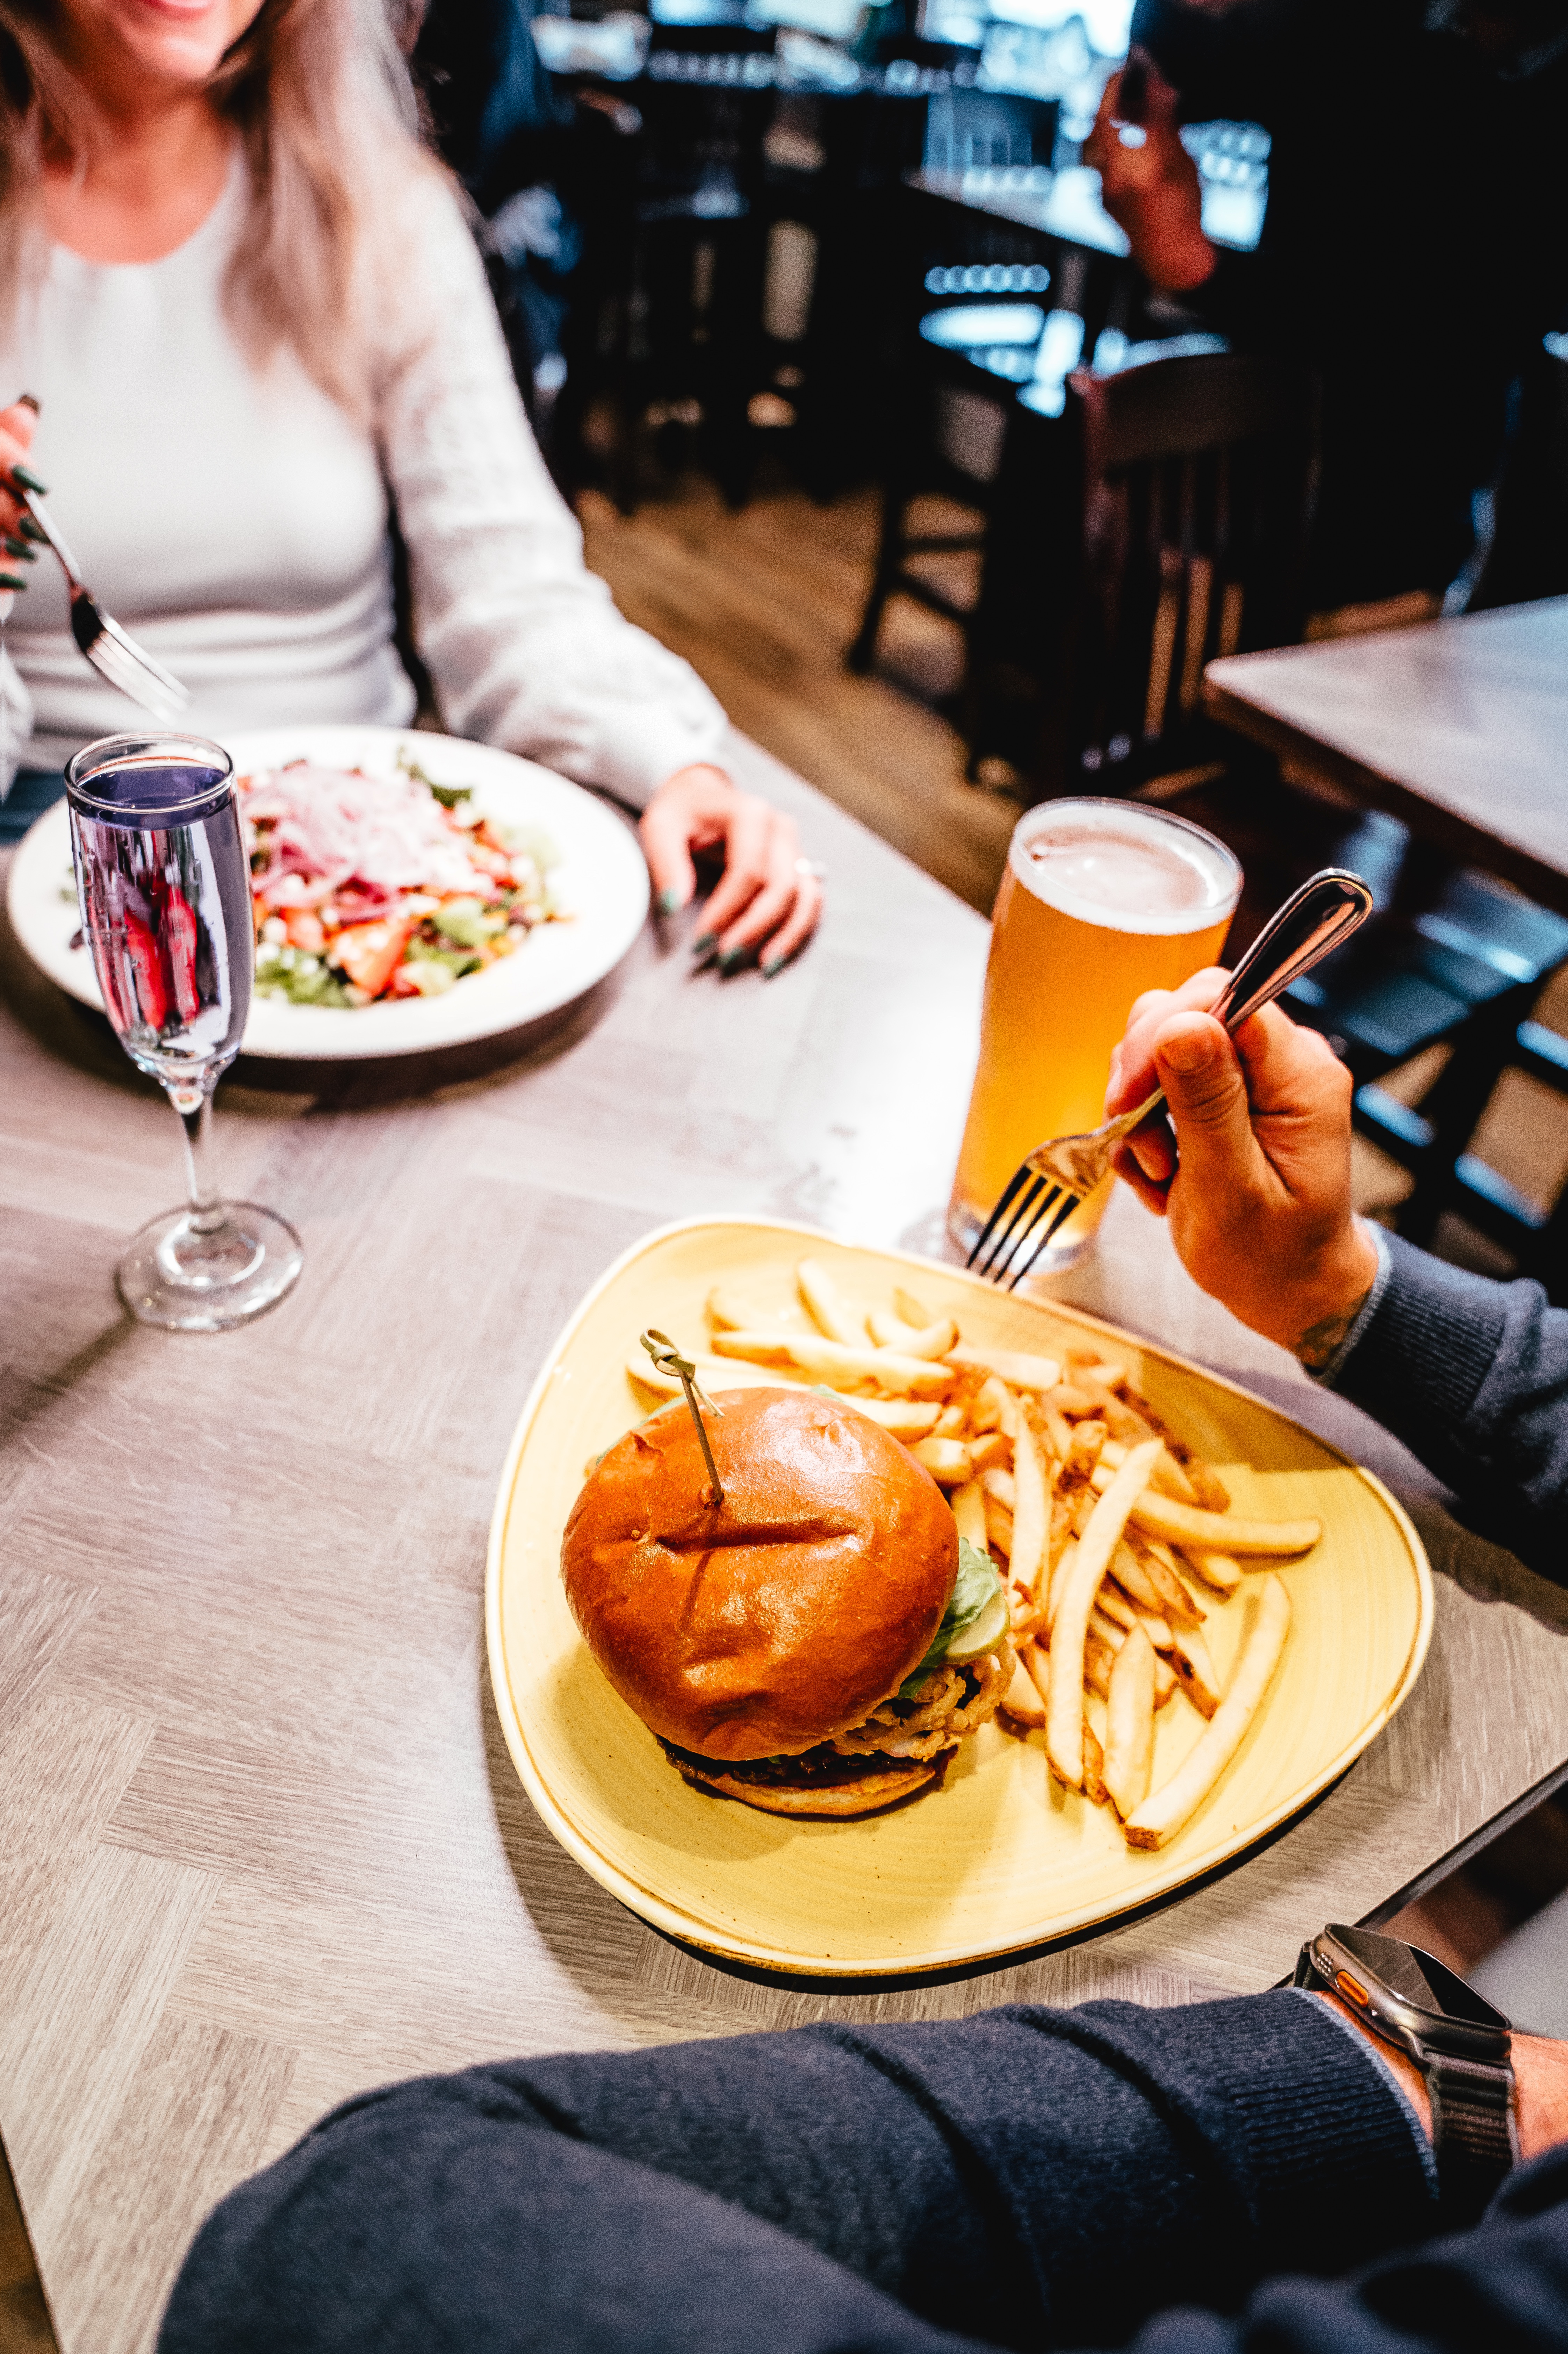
[(194, 1106)]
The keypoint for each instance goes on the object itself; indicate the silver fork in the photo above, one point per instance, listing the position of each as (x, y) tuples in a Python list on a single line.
[(111, 651), (1049, 1184)]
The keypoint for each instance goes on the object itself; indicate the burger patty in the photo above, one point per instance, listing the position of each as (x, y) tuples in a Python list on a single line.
[(950, 1703)]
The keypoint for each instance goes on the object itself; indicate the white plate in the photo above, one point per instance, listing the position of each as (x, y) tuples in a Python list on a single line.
[(601, 880)]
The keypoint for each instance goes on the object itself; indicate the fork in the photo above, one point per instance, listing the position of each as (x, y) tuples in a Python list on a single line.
[(1049, 1184), (111, 651)]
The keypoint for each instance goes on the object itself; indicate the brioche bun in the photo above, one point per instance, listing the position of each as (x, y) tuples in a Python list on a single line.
[(780, 1618)]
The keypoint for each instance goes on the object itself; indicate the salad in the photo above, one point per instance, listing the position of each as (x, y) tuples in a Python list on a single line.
[(369, 887)]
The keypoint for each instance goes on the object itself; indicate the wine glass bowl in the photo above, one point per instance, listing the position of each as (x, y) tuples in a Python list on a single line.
[(164, 886)]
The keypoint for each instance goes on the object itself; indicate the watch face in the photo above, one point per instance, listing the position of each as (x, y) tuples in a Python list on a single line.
[(1417, 1979)]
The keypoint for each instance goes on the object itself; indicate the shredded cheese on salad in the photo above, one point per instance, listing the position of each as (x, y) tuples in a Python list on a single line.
[(383, 886)]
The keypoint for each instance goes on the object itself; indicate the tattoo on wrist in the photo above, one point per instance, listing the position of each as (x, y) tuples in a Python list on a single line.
[(1317, 1345)]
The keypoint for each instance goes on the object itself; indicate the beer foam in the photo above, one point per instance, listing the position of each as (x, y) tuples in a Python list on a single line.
[(1123, 867)]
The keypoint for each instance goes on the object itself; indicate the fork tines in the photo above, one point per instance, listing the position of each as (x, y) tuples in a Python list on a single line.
[(1044, 1207), (116, 656)]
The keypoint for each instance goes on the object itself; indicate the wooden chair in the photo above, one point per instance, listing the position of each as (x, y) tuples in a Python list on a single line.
[(1160, 521)]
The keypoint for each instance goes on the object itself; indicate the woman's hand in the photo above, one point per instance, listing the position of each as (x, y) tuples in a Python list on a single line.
[(1148, 183), (1259, 1201), (767, 901), (16, 424)]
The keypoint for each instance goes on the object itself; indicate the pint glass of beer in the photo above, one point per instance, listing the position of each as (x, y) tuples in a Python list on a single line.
[(1100, 901)]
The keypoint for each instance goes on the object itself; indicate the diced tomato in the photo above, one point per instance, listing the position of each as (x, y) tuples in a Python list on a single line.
[(367, 953), (403, 983), (305, 930)]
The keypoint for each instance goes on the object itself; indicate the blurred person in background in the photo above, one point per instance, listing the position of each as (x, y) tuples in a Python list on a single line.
[(1415, 251), (258, 339)]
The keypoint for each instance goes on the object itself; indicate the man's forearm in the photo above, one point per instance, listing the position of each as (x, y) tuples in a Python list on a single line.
[(1473, 1376)]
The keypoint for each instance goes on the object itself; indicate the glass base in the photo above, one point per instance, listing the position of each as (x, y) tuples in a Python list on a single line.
[(189, 1280), (966, 1225)]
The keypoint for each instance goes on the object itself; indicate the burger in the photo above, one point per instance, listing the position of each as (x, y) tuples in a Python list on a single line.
[(817, 1642)]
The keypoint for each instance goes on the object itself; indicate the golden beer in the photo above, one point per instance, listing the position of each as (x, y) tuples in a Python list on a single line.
[(1100, 901)]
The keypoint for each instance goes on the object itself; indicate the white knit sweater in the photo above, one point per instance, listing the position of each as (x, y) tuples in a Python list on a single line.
[(235, 521)]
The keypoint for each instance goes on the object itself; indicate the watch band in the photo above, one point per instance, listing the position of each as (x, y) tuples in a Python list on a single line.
[(1473, 2136)]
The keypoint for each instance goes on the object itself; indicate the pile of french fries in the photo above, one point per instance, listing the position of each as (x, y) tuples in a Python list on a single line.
[(1114, 1540)]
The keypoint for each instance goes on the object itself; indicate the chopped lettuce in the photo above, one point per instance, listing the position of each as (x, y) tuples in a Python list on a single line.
[(294, 973), (975, 1588)]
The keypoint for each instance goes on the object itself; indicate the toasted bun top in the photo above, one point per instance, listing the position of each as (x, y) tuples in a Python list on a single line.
[(782, 1617)]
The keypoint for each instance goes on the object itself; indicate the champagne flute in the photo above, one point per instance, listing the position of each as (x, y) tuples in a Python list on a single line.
[(163, 883)]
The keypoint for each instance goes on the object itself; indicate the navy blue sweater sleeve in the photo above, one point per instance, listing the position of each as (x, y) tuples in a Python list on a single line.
[(1473, 1376), (1020, 2179)]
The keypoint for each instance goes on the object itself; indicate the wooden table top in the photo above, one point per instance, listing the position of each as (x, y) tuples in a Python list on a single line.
[(261, 1845), (1459, 728)]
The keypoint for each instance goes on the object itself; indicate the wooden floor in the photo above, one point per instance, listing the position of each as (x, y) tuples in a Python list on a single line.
[(763, 604)]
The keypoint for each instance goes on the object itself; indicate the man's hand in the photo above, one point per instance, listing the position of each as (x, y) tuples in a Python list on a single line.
[(764, 904), (1149, 183), (1259, 1201)]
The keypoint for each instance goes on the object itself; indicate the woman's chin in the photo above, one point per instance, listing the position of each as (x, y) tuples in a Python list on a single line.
[(179, 43)]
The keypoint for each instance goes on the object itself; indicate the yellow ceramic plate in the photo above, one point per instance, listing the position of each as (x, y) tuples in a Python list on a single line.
[(1002, 1858)]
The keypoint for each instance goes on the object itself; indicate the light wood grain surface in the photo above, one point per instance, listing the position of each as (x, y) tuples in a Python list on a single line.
[(1459, 728), (262, 1845)]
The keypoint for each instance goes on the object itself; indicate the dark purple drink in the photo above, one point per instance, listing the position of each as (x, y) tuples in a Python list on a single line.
[(166, 909), (163, 885)]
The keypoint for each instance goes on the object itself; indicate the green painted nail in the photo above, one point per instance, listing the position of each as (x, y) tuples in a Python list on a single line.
[(19, 548), (774, 964), (11, 581), (704, 943), (668, 902), (28, 481), (733, 961), (33, 531)]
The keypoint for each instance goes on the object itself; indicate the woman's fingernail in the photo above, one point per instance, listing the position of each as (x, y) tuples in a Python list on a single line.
[(11, 581), (704, 943), (773, 965), (19, 548), (733, 961), (29, 481), (33, 531), (30, 400), (668, 903)]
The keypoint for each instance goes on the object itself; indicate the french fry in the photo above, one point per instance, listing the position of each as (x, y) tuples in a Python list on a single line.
[(967, 1501), (992, 1451), (990, 1407), (1125, 1613), (911, 1309), (837, 1364), (999, 1527), (1085, 1498), (1216, 1569), (1129, 1724), (1165, 1684), (1159, 1817), (1105, 1630), (1093, 1767), (1002, 1485), (1084, 1454), (1209, 1491), (1059, 1430), (1067, 1399), (904, 1417), (1007, 1409), (1097, 1547), (1021, 1702), (930, 1341), (1128, 1569), (1030, 1516), (1180, 1524), (1060, 1573), (1098, 1661), (1195, 1671), (826, 1305), (1175, 1603), (711, 1373), (947, 1460), (950, 1422), (1015, 1367), (1039, 1667)]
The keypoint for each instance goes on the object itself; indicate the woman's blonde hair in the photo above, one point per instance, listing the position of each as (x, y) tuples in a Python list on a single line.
[(318, 92)]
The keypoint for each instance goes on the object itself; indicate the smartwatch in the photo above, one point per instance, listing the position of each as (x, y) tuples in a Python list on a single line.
[(1461, 2045)]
